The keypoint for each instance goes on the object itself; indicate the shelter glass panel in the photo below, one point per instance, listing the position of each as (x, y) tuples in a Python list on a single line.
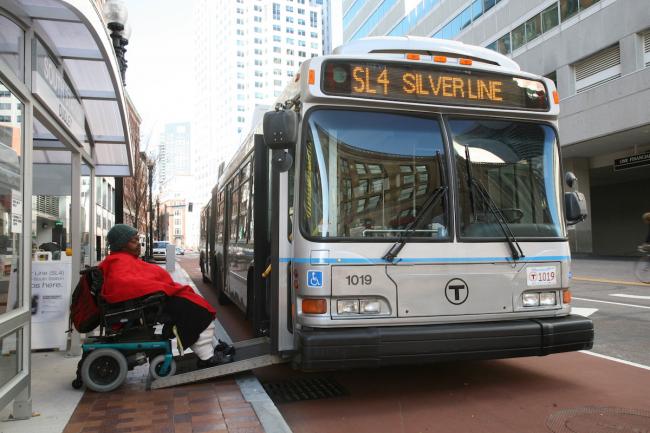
[(12, 39), (11, 202)]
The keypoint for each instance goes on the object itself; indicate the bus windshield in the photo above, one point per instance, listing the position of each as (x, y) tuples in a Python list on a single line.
[(368, 174), (517, 165)]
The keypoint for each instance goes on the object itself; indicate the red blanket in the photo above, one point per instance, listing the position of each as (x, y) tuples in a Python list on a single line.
[(127, 277)]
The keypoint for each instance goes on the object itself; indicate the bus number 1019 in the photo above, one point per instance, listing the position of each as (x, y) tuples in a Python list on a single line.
[(355, 280)]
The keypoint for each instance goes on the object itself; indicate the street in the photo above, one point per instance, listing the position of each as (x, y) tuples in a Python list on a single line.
[(570, 392), (607, 291)]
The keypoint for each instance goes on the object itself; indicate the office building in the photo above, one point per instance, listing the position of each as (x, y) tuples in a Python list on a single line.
[(246, 52)]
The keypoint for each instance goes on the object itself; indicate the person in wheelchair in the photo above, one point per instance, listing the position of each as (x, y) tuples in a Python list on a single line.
[(127, 277)]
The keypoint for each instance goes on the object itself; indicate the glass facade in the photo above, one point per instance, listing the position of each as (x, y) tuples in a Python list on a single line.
[(539, 24)]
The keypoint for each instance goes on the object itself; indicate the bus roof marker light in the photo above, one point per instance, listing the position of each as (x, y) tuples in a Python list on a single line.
[(440, 59), (466, 62), (412, 56)]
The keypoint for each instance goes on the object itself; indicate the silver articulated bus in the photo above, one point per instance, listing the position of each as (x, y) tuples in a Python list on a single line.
[(403, 203)]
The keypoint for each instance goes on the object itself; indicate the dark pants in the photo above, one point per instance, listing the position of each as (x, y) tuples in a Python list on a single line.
[(190, 319)]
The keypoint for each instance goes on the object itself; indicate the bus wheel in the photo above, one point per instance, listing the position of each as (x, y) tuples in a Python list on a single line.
[(217, 282), (203, 277)]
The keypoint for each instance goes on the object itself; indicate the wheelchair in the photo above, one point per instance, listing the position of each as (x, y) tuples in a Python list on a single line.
[(127, 338)]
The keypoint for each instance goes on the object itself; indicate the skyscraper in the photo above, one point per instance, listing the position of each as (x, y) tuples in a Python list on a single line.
[(597, 52), (246, 52), (174, 153)]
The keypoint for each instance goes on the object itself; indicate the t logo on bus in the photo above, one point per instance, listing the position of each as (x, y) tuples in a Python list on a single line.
[(456, 291)]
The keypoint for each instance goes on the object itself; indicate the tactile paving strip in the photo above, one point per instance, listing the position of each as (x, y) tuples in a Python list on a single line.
[(309, 388)]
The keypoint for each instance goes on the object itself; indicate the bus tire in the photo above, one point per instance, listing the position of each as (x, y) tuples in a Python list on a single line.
[(218, 284), (202, 265), (249, 294)]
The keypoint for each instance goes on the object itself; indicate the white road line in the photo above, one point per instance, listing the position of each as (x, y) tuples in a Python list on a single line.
[(613, 303), (585, 312), (623, 295), (611, 358)]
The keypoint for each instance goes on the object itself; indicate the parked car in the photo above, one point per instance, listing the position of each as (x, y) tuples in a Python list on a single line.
[(160, 251), (180, 251)]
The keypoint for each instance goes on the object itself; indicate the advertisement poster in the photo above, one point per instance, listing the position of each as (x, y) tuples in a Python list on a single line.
[(50, 291)]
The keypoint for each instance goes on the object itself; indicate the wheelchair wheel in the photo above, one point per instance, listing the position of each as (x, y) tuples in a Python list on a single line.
[(77, 383), (156, 364), (104, 370)]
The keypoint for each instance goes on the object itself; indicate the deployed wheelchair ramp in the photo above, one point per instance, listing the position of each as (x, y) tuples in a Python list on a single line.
[(250, 354)]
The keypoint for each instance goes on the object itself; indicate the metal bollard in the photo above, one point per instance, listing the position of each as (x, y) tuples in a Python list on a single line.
[(170, 263)]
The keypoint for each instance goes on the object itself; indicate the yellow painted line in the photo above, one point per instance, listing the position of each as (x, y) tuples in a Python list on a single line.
[(602, 280)]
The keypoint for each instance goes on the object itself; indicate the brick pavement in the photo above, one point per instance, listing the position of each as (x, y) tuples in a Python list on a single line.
[(210, 407)]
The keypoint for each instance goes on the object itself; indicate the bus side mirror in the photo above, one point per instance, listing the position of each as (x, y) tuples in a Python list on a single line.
[(280, 129), (575, 207)]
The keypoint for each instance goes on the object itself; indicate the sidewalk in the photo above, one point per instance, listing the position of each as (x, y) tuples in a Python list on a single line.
[(220, 405), (613, 268)]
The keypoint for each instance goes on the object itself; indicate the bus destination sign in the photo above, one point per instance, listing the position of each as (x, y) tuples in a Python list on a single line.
[(433, 84)]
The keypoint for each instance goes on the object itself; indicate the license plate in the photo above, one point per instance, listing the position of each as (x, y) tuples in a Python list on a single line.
[(541, 276)]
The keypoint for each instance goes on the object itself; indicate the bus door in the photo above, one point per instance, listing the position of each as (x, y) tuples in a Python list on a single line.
[(281, 297)]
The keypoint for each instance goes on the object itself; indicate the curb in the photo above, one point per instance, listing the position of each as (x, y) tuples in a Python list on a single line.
[(251, 388)]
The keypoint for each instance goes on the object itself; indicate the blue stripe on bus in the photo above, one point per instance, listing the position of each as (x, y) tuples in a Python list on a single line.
[(330, 261)]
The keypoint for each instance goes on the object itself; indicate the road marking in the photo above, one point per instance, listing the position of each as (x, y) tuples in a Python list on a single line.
[(602, 280), (613, 303), (611, 358), (623, 295), (585, 312)]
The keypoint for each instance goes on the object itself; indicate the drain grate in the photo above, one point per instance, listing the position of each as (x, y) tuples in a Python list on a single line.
[(311, 388), (599, 420)]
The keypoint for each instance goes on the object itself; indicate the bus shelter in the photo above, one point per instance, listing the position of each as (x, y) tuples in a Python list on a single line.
[(63, 132)]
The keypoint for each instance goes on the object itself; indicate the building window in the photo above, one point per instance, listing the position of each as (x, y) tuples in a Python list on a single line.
[(276, 11), (277, 50), (289, 20), (568, 8), (313, 19)]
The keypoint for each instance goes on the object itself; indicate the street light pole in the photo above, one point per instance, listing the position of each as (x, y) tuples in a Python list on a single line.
[(150, 252)]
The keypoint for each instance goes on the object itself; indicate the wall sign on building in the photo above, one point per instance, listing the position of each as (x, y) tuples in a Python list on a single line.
[(632, 161)]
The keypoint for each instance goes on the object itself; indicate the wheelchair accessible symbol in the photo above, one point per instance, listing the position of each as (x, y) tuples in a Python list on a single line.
[(314, 278)]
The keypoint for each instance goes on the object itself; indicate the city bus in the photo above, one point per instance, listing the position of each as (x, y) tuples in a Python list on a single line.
[(404, 202)]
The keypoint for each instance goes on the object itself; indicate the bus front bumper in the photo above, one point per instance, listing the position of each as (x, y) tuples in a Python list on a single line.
[(344, 348)]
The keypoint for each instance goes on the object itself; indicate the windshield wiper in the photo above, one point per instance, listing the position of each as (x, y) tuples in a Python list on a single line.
[(433, 198), (401, 241), (515, 249)]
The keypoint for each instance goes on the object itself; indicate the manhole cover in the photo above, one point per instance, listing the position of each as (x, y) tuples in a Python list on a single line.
[(599, 420), (312, 388)]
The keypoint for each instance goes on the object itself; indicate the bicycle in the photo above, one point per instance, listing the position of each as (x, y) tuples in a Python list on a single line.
[(642, 267)]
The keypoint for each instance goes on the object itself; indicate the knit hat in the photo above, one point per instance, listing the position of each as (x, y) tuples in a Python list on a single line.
[(120, 235)]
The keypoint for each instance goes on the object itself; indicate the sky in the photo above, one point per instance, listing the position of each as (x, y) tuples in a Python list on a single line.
[(160, 58)]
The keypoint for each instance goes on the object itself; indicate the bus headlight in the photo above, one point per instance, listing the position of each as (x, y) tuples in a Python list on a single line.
[(347, 306), (547, 298), (539, 299), (370, 306), (531, 299)]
